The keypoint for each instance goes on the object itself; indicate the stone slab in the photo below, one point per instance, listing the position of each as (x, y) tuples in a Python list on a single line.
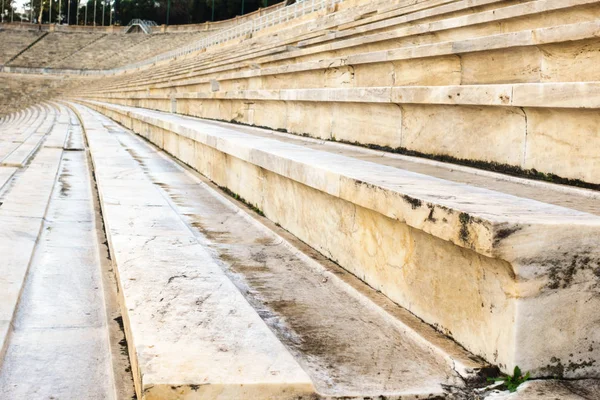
[(59, 344), (547, 95), (18, 237), (263, 265), (30, 194), (22, 210), (491, 213), (510, 252), (5, 174), (191, 333)]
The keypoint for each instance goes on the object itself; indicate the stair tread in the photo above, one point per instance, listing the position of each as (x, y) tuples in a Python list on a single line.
[(347, 348), (189, 329), (398, 193)]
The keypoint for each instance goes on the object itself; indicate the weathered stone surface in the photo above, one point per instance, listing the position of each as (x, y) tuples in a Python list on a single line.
[(519, 252), (190, 332), (466, 132), (514, 83), (584, 389), (310, 304), (5, 174), (557, 143), (61, 320), (22, 210)]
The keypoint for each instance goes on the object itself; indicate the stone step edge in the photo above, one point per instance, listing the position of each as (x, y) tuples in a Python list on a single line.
[(172, 388), (483, 232), (524, 38), (37, 223), (467, 365), (209, 59), (570, 190), (540, 95)]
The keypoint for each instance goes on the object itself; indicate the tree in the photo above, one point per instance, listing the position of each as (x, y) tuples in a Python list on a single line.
[(181, 12), (10, 11)]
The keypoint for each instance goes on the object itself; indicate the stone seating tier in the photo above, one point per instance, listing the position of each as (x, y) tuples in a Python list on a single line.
[(414, 88), (341, 122), (412, 233)]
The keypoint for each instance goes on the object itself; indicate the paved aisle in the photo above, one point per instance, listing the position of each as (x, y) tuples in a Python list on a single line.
[(59, 347)]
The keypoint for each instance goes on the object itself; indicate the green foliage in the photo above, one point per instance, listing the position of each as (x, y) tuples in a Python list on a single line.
[(512, 382), (181, 12), (185, 11)]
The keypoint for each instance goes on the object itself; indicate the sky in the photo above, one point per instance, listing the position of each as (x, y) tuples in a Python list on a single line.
[(19, 4)]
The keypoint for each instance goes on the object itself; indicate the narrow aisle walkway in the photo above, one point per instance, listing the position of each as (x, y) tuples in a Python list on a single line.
[(59, 347)]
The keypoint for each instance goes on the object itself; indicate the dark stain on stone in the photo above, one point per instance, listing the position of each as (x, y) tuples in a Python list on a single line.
[(65, 186), (503, 233), (119, 321), (124, 347), (240, 198), (562, 271), (358, 182), (558, 369), (414, 203), (176, 276), (430, 216), (464, 219)]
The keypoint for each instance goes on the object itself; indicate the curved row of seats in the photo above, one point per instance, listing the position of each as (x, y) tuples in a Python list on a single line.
[(23, 133), (12, 43), (32, 143), (18, 91), (85, 50), (488, 259), (496, 84), (497, 68)]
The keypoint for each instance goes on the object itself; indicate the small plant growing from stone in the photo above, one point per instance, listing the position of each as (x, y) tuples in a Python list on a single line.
[(513, 381)]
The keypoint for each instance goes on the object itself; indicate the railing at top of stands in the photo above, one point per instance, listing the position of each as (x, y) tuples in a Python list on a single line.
[(298, 9), (137, 21), (144, 24)]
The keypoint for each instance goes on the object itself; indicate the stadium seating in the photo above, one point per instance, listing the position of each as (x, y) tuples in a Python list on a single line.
[(434, 162), (12, 43)]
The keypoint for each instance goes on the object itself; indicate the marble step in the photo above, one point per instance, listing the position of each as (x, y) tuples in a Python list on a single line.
[(494, 261), (23, 205), (346, 336), (25, 150), (545, 128), (190, 332), (540, 95), (61, 320)]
